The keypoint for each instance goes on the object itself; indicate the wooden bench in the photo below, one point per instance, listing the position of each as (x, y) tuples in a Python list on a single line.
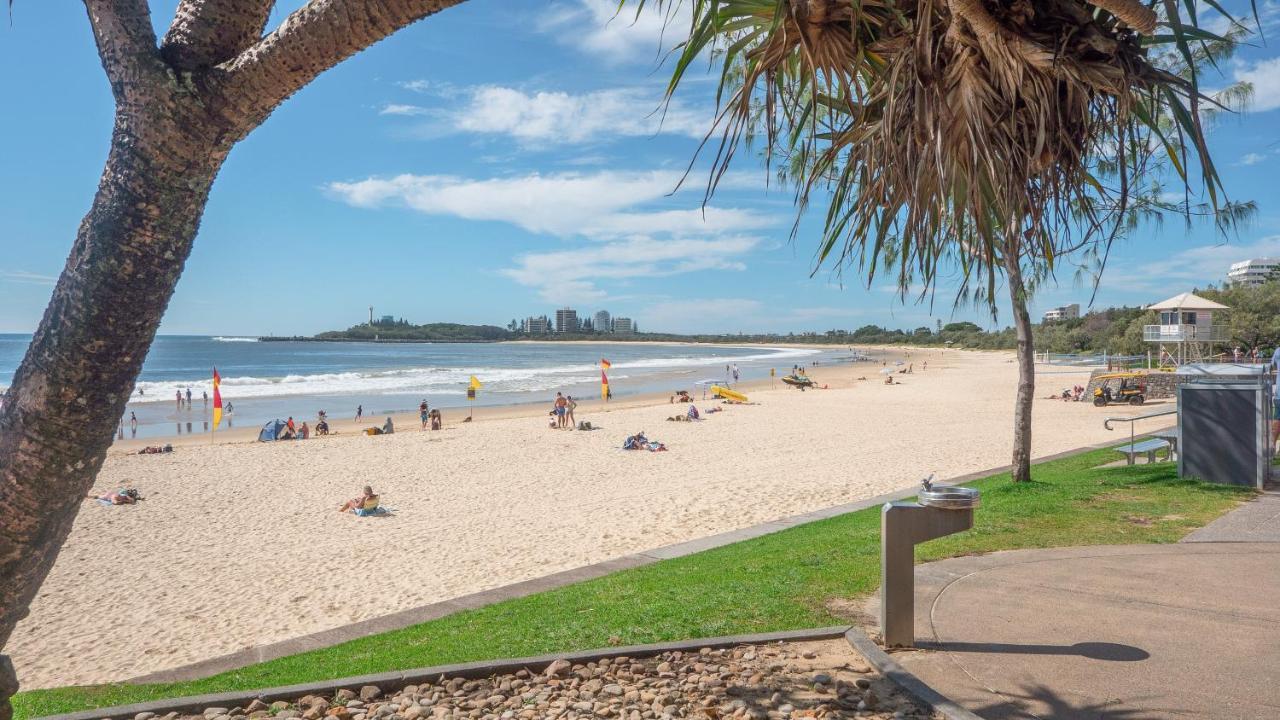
[(1147, 447)]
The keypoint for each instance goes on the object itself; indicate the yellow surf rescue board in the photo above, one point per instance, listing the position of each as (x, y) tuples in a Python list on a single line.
[(728, 394)]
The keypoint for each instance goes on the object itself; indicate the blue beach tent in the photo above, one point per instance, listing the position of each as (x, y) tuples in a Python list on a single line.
[(271, 431)]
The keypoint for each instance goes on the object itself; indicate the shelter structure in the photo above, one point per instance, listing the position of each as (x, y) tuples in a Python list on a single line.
[(1186, 333)]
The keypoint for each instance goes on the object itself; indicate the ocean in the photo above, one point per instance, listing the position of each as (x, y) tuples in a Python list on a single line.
[(267, 380)]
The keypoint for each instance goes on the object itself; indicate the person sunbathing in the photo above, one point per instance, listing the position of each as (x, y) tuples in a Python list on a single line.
[(125, 496), (359, 503)]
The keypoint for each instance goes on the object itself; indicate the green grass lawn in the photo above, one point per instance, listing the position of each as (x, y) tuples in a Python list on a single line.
[(802, 577)]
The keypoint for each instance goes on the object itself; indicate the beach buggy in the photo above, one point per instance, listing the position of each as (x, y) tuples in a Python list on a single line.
[(1120, 388)]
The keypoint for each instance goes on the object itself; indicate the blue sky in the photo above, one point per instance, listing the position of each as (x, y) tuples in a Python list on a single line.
[(499, 160)]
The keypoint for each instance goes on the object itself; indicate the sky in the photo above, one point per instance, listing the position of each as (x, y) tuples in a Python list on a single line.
[(500, 160)]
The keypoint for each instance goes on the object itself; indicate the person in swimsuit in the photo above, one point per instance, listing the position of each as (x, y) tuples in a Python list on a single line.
[(358, 502), (561, 408), (569, 407)]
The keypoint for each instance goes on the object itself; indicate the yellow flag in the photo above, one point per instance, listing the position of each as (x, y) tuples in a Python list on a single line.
[(475, 384)]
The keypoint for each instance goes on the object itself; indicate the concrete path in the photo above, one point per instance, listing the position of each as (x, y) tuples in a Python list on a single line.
[(1255, 521), (1118, 633)]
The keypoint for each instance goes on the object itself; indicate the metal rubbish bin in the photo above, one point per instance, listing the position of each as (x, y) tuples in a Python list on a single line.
[(1224, 429)]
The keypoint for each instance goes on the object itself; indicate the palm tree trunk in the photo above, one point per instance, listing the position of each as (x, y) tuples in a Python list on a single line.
[(1021, 470), (60, 413)]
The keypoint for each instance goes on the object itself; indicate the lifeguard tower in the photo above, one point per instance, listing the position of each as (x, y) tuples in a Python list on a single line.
[(1186, 333)]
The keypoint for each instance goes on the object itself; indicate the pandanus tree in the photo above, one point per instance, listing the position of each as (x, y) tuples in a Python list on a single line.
[(182, 103), (992, 139)]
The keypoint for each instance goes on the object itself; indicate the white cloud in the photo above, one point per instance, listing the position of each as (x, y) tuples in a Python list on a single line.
[(393, 109), (560, 117), (1197, 266), (627, 236), (601, 204), (1252, 158), (544, 117), (570, 276), (600, 28), (28, 278), (1264, 76)]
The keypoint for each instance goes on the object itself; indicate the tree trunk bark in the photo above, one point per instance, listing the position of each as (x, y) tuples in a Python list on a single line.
[(61, 411), (1026, 368)]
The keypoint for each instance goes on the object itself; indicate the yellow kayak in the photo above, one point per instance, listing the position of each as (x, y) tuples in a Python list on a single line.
[(728, 394)]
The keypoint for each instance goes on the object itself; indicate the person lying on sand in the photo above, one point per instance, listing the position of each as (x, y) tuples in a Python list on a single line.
[(124, 496), (359, 502), (888, 380)]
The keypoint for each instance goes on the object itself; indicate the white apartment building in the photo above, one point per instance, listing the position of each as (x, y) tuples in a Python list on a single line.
[(1253, 272), (623, 325), (602, 322), (1065, 312)]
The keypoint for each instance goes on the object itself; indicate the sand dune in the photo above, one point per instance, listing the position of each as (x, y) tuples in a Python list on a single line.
[(238, 545)]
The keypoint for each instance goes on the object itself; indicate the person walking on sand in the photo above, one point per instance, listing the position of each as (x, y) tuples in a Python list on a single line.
[(359, 412), (569, 407), (423, 414), (735, 372)]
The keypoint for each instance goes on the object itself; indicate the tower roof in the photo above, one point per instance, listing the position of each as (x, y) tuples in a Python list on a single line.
[(1187, 301)]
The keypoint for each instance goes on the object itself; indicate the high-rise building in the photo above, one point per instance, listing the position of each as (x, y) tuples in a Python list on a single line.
[(1253, 272), (601, 321), (538, 325), (566, 320), (623, 325), (1065, 312)]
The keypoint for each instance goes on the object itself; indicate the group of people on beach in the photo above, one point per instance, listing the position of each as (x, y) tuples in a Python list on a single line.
[(562, 412)]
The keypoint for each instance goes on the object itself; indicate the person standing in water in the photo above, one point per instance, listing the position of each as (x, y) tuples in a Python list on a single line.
[(133, 424), (178, 396), (359, 412)]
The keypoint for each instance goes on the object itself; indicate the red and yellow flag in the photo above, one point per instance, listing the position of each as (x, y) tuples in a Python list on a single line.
[(604, 380), (217, 399), (605, 364)]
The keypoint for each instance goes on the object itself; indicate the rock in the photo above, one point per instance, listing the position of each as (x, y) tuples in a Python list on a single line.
[(613, 689), (288, 714), (313, 713), (821, 679), (144, 716), (354, 704), (413, 712), (370, 692), (256, 706), (862, 683), (279, 705), (214, 712), (558, 668), (345, 694)]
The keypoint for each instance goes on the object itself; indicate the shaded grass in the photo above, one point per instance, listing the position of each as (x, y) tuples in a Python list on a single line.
[(789, 580)]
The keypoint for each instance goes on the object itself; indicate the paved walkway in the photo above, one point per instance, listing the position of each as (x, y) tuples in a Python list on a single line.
[(1117, 633)]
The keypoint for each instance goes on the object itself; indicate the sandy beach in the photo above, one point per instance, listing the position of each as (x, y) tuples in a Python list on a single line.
[(238, 543)]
